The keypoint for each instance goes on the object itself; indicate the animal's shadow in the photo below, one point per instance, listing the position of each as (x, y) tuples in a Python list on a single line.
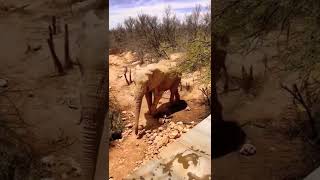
[(227, 137), (165, 109)]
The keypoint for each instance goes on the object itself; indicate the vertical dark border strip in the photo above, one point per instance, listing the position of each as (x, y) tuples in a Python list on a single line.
[(213, 87), (107, 61)]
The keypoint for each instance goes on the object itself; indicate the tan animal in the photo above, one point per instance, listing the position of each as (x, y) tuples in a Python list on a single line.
[(157, 80)]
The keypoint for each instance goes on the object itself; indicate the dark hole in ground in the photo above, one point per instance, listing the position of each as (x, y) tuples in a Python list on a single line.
[(170, 108), (227, 137)]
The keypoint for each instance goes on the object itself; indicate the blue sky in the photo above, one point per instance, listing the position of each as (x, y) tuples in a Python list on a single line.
[(122, 9)]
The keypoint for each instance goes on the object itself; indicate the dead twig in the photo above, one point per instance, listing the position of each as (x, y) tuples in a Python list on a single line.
[(296, 94), (67, 58), (56, 60)]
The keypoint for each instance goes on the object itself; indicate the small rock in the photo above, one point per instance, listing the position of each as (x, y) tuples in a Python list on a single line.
[(248, 150), (64, 176), (140, 127), (174, 134), (162, 142), (124, 112), (188, 126), (141, 133), (179, 128), (162, 120), (152, 138), (30, 94), (160, 129), (188, 108), (148, 131), (130, 125), (149, 142), (180, 123), (154, 131), (137, 144), (3, 83), (129, 131), (184, 130), (123, 119)]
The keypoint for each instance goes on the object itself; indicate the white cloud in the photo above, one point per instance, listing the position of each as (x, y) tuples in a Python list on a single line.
[(119, 14)]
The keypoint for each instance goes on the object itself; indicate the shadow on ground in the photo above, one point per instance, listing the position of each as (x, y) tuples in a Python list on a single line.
[(170, 108), (164, 109), (227, 137)]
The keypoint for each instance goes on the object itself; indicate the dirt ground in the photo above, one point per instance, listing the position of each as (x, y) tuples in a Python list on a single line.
[(277, 156), (49, 103), (128, 153)]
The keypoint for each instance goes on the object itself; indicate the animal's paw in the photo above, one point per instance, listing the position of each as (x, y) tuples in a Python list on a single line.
[(248, 150)]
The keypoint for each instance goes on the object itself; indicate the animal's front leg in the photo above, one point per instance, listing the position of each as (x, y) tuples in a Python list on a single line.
[(157, 97), (149, 100)]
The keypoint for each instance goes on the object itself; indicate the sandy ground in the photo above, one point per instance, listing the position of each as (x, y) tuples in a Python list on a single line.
[(277, 157), (126, 154), (40, 96)]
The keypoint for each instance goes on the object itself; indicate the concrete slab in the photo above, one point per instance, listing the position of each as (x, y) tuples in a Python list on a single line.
[(189, 157), (315, 175)]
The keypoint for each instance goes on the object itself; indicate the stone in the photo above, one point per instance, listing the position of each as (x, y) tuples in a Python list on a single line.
[(130, 125), (179, 128), (123, 119), (248, 149), (3, 83), (141, 133), (30, 94), (180, 123), (162, 120), (188, 108), (148, 131), (184, 130), (140, 127), (150, 142), (160, 129), (64, 176), (124, 112), (154, 131), (137, 144), (174, 134), (172, 125)]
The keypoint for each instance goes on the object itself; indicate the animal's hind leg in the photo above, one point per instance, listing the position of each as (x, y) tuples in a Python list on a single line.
[(177, 96), (175, 92), (149, 100), (157, 97), (171, 96)]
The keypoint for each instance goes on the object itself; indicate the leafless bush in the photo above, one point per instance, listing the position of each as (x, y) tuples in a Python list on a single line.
[(146, 34), (307, 99)]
